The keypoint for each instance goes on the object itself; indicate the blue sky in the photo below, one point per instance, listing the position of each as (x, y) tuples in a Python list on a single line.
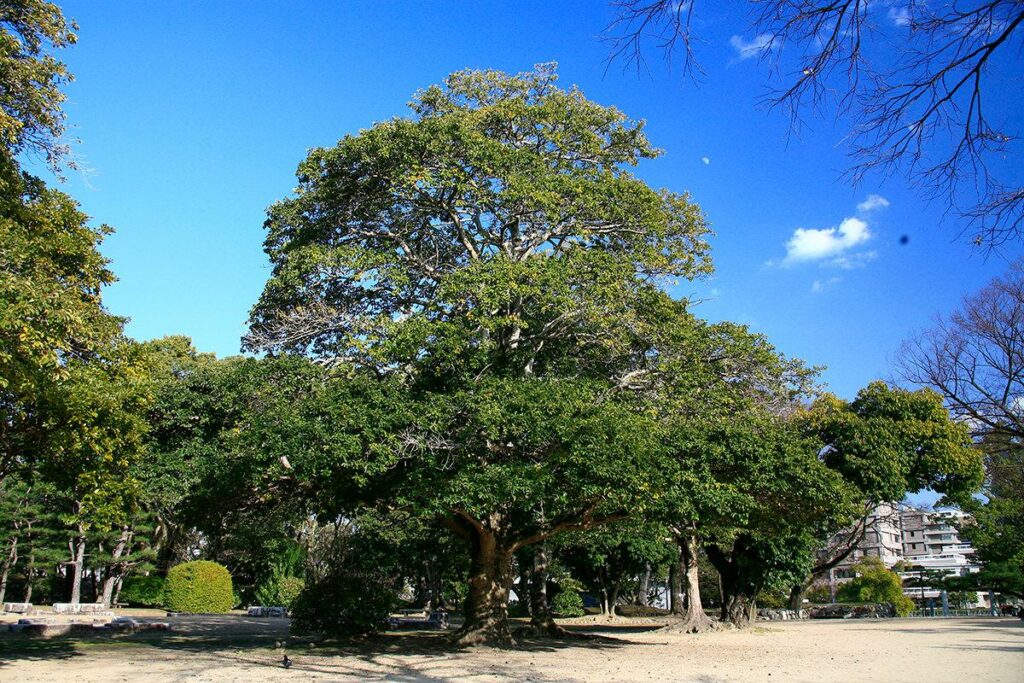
[(193, 116)]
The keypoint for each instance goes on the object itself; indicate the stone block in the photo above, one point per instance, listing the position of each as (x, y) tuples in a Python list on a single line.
[(17, 607)]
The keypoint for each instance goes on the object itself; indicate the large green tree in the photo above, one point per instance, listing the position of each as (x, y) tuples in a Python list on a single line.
[(886, 443), (52, 320), (494, 256), (725, 382)]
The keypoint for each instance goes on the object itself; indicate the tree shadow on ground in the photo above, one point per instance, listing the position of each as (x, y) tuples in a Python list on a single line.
[(398, 656), (14, 648)]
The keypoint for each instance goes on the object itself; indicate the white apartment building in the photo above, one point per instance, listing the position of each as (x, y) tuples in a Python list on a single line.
[(883, 538), (931, 541), (928, 540)]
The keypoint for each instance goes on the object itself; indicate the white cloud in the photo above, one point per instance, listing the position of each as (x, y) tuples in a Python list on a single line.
[(820, 286), (815, 245), (900, 16), (853, 261), (706, 160), (872, 202), (747, 49)]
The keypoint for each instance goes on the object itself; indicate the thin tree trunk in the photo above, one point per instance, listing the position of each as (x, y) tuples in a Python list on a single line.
[(28, 575), (542, 621), (437, 588), (117, 589), (113, 572), (9, 562), (675, 586), (490, 578), (613, 598), (77, 565), (423, 592), (540, 609), (525, 590)]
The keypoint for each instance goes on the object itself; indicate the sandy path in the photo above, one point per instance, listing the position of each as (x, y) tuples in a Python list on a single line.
[(932, 651)]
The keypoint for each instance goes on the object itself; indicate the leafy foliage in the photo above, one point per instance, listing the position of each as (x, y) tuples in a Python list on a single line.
[(347, 603), (889, 441), (279, 589), (972, 360), (875, 583), (143, 591), (52, 323), (567, 601), (360, 592), (31, 118), (198, 587)]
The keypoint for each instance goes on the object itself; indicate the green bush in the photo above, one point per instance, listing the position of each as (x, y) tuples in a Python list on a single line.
[(198, 587), (280, 589), (568, 602), (819, 595), (349, 603), (289, 590), (773, 599), (875, 583), (143, 591)]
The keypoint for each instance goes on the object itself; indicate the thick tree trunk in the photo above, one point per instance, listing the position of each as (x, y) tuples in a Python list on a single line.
[(490, 578), (738, 603), (77, 547), (113, 571), (695, 620), (540, 609), (796, 597), (613, 598), (645, 587), (739, 609)]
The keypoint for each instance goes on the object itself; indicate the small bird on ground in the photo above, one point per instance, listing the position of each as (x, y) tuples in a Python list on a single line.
[(286, 663)]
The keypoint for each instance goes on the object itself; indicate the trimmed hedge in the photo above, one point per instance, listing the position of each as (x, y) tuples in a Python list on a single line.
[(198, 587)]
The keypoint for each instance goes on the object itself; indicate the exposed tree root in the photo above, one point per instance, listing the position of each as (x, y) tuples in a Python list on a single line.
[(694, 623), (550, 630), (492, 634)]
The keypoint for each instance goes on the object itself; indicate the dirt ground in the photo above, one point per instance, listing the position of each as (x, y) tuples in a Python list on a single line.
[(236, 648)]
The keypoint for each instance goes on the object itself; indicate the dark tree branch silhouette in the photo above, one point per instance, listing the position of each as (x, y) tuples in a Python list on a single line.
[(918, 106)]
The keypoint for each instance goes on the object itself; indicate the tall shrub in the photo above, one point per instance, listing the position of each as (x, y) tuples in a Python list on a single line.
[(875, 583), (198, 587)]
